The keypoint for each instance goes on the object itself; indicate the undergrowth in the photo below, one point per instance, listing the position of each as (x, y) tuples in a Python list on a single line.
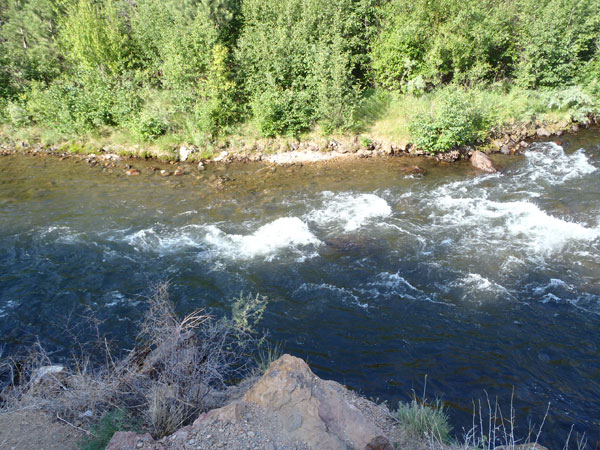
[(178, 369)]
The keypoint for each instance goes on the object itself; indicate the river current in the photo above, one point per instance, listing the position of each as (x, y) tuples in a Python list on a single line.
[(378, 277)]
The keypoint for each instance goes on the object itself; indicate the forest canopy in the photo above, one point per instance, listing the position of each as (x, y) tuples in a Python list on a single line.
[(203, 66)]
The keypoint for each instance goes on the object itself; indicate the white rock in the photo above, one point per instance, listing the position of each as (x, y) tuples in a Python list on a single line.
[(221, 156), (44, 371), (185, 152)]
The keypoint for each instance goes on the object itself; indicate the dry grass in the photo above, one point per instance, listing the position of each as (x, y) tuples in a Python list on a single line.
[(178, 369)]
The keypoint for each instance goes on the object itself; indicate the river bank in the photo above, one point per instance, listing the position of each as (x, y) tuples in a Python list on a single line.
[(509, 140)]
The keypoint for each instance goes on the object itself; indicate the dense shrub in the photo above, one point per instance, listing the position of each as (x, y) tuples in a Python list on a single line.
[(302, 51), (96, 37), (456, 120), (284, 112), (556, 39), (148, 126), (80, 65), (217, 107), (29, 47), (444, 40), (88, 103)]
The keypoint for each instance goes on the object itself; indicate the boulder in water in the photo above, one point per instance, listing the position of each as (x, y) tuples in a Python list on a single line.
[(481, 162), (413, 170)]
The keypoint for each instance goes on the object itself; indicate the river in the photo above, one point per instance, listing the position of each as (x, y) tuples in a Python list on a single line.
[(378, 277)]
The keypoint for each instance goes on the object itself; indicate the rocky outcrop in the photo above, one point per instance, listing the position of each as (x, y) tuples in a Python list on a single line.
[(480, 161), (288, 407), (312, 409)]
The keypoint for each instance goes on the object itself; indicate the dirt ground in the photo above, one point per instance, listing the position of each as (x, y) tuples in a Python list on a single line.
[(30, 429)]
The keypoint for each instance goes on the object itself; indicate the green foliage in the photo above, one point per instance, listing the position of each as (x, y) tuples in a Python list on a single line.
[(286, 112), (246, 312), (556, 38), (456, 120), (17, 114), (95, 36), (573, 99), (303, 51), (443, 40), (196, 68), (217, 108), (111, 422), (540, 43), (430, 421), (76, 106), (28, 43), (149, 127)]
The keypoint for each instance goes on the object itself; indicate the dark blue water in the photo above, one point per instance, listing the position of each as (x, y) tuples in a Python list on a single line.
[(378, 279)]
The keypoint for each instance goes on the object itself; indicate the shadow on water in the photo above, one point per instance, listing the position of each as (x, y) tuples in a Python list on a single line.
[(376, 276)]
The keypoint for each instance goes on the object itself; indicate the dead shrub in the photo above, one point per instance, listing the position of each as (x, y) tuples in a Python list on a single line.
[(177, 369)]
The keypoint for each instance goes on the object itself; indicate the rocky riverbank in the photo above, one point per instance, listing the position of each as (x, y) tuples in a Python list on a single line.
[(289, 407), (508, 141)]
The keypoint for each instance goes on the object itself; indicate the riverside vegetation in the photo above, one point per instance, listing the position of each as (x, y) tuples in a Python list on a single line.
[(226, 73), (174, 383)]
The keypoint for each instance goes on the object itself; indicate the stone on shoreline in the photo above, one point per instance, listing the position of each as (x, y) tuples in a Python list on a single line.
[(480, 161)]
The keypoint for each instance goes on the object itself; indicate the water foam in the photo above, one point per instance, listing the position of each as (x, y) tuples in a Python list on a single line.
[(548, 162), (162, 240), (350, 211), (289, 233), (524, 221)]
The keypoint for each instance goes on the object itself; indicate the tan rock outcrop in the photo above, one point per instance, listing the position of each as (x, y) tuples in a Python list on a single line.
[(313, 410)]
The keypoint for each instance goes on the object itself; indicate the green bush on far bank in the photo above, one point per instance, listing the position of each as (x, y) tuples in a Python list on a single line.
[(437, 73)]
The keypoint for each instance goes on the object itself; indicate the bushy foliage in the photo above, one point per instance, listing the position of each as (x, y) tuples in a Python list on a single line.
[(288, 66), (444, 40), (282, 112), (88, 103), (217, 107), (96, 38), (455, 120), (540, 43), (29, 49), (302, 51), (556, 39), (148, 126)]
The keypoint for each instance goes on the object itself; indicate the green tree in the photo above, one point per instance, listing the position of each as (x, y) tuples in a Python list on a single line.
[(28, 37), (556, 39), (96, 36)]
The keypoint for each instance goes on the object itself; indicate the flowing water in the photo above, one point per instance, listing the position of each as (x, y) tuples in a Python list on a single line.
[(376, 276)]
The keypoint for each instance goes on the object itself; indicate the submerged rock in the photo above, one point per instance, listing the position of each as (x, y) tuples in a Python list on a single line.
[(413, 170), (132, 172), (481, 162)]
